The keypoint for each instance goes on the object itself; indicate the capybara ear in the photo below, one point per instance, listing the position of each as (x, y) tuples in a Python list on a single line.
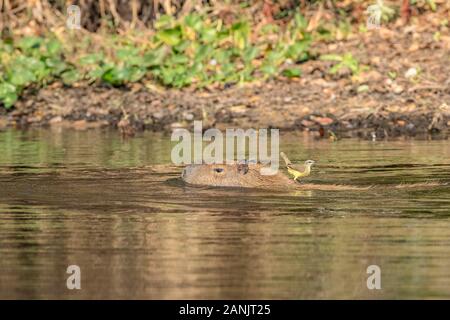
[(242, 168)]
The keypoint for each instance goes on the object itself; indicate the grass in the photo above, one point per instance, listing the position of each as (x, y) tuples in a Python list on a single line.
[(346, 61), (196, 49), (179, 53)]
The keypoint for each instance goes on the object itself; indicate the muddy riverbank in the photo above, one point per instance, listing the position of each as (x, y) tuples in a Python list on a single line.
[(403, 89)]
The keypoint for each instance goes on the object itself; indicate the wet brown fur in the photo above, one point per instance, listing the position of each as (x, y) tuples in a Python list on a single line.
[(249, 176)]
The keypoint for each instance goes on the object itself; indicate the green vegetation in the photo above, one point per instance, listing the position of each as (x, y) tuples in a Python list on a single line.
[(179, 53), (427, 4), (28, 61), (346, 61), (175, 43)]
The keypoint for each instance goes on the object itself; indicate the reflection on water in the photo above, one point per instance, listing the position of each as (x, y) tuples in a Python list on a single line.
[(118, 210)]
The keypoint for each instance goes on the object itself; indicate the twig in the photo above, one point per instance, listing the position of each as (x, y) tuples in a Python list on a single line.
[(112, 8)]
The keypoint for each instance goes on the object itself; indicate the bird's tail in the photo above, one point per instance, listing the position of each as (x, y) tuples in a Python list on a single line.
[(286, 159)]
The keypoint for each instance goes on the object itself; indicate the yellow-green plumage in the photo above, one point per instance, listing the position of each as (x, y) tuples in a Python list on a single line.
[(297, 171), (299, 174)]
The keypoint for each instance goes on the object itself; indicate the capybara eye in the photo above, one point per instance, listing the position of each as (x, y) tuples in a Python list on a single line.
[(218, 170)]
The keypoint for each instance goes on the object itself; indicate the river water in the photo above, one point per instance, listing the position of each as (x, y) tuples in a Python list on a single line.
[(117, 209)]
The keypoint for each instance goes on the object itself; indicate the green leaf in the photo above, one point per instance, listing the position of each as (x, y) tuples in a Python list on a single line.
[(241, 33), (71, 76), (32, 65), (99, 71), (292, 72), (29, 63), (171, 37), (42, 74), (336, 68), (28, 43), (6, 46), (392, 75), (331, 57), (275, 57), (21, 77), (269, 69), (300, 21), (165, 21), (222, 56), (9, 100), (136, 74), (167, 75), (241, 26), (8, 95), (178, 59), (117, 76), (298, 50), (194, 21), (182, 46), (250, 53), (270, 28), (56, 65), (432, 4), (6, 88), (130, 56), (208, 35), (155, 57), (92, 58), (196, 68), (53, 47), (203, 52)]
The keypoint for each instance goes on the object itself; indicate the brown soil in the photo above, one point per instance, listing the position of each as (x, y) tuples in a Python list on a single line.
[(371, 105)]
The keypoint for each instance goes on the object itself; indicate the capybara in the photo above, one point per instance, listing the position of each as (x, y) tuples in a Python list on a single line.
[(249, 175)]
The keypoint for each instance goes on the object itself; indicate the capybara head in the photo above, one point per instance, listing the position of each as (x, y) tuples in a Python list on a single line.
[(232, 175)]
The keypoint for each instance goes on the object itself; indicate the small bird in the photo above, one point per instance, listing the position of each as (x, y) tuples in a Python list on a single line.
[(298, 171), (332, 136)]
